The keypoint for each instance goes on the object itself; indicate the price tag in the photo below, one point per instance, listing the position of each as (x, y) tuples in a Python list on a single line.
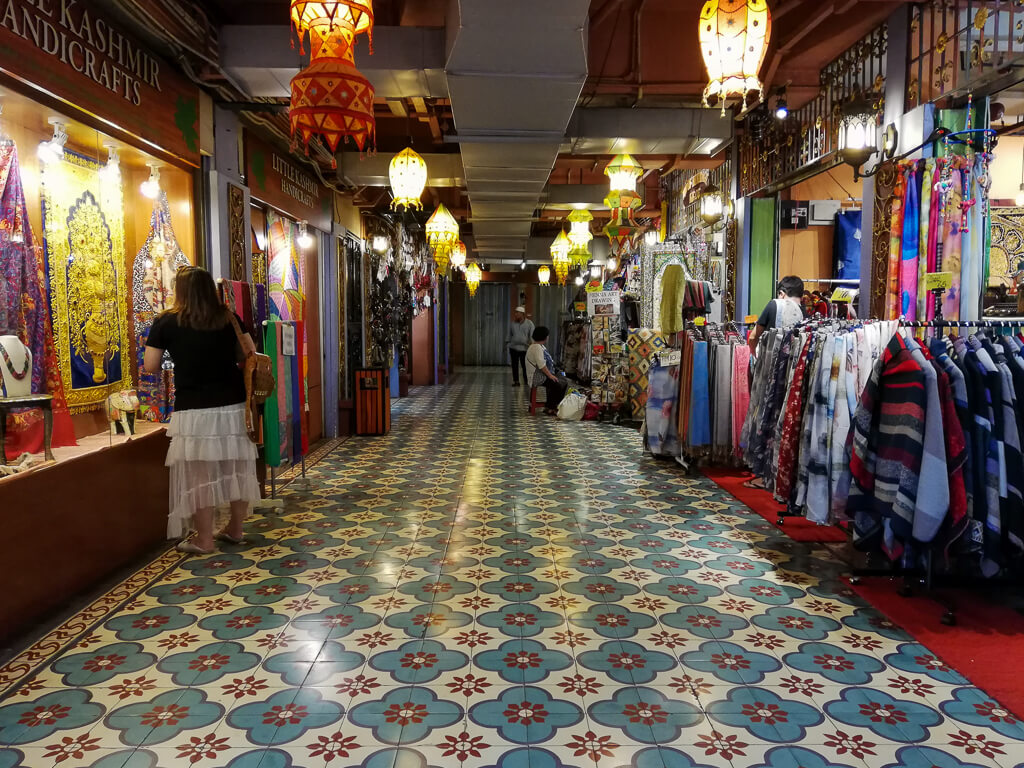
[(750, 319), (938, 281), (842, 294), (699, 321), (288, 340), (581, 306)]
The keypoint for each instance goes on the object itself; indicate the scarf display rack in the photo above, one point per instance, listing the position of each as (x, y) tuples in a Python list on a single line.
[(923, 461)]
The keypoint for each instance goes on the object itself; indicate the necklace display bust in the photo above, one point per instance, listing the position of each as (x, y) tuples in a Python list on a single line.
[(15, 368)]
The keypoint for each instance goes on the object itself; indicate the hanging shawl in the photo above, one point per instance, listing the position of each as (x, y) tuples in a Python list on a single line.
[(25, 312), (152, 292)]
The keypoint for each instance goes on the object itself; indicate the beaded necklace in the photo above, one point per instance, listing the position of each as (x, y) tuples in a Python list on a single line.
[(10, 366)]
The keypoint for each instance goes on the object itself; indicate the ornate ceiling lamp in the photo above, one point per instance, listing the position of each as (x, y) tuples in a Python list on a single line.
[(622, 172), (734, 37), (348, 17), (442, 235), (560, 257), (331, 98), (580, 236), (459, 253), (544, 275), (408, 176), (473, 277)]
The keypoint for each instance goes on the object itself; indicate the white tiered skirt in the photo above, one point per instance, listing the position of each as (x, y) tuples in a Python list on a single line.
[(212, 462)]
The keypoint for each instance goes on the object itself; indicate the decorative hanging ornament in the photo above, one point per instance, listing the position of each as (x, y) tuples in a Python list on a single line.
[(560, 257), (473, 277), (734, 37), (331, 98), (544, 275), (580, 236), (408, 175), (459, 253), (622, 230), (442, 234)]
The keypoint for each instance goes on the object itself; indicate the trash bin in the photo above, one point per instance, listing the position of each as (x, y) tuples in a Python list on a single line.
[(373, 401)]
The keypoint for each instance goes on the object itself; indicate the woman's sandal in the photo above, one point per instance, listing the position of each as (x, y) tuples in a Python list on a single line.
[(191, 549), (227, 537)]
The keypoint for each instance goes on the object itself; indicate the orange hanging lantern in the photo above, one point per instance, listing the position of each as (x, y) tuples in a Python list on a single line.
[(734, 37), (346, 17), (331, 98)]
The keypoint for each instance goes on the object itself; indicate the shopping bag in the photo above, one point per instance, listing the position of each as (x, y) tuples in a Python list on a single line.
[(572, 406)]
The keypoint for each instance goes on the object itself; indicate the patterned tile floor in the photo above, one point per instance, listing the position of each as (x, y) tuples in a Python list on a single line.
[(486, 588)]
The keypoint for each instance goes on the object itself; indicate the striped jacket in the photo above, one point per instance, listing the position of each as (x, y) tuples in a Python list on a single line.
[(884, 448)]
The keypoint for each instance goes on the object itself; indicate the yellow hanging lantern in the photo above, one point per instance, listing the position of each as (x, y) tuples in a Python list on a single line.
[(442, 235), (560, 257), (408, 176), (580, 236), (544, 275), (459, 255), (473, 277), (734, 37)]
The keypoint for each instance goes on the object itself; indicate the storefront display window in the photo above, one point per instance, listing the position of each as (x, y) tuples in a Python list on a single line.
[(92, 230)]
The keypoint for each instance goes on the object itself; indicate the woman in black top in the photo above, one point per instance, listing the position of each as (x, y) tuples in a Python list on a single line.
[(211, 458)]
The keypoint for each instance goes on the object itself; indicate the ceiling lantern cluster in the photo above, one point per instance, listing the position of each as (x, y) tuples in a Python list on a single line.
[(560, 260), (580, 237), (408, 176), (442, 236), (622, 172), (473, 277), (331, 98), (734, 37)]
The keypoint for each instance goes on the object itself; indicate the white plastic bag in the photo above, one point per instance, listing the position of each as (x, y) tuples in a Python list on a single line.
[(572, 406)]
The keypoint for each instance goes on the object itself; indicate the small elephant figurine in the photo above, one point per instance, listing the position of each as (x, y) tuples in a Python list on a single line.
[(121, 408)]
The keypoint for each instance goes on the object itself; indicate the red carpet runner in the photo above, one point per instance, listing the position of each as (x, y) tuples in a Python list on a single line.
[(985, 646), (761, 502)]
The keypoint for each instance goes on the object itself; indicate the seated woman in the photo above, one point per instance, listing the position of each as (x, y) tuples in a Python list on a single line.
[(541, 371)]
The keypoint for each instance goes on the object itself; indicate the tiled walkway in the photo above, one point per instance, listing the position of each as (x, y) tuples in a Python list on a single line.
[(487, 588)]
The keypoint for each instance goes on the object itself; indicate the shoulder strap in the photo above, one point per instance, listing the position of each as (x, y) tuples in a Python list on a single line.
[(238, 331)]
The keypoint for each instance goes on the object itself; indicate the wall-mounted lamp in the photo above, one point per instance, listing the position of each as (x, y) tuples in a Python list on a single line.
[(151, 187), (53, 150), (305, 240)]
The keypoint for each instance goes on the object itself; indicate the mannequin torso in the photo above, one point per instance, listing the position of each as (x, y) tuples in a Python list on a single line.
[(15, 368)]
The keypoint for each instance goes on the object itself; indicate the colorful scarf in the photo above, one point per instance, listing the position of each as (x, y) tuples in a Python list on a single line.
[(909, 248), (25, 313)]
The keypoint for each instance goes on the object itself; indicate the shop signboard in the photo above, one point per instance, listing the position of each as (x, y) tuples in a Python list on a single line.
[(279, 179), (74, 51), (603, 303)]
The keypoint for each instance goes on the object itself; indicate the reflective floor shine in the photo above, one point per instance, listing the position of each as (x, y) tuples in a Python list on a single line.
[(487, 588)]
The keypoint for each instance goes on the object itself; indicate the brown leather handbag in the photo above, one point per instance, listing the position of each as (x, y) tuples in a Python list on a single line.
[(257, 371)]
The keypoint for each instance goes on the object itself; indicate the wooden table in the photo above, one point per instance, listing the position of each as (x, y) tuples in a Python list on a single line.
[(45, 402)]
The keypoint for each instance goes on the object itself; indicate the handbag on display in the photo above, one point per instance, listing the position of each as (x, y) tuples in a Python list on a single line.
[(257, 371)]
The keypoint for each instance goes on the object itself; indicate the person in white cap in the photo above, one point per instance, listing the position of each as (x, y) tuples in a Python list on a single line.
[(520, 336)]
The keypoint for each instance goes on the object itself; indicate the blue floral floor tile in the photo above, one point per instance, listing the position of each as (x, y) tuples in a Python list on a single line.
[(486, 589)]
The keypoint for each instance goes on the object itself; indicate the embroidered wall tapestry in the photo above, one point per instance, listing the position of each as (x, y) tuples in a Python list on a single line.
[(643, 344), (153, 273), (25, 312), (1007, 245), (83, 224)]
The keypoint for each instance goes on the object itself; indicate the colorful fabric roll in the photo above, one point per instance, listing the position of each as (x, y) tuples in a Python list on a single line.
[(926, 215), (909, 248), (953, 244), (895, 250)]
